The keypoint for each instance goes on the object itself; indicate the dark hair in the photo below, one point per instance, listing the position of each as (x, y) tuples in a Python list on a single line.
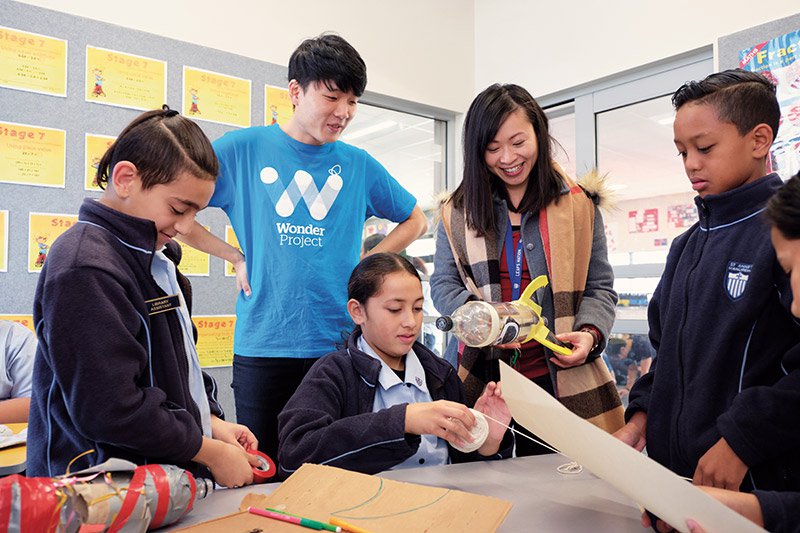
[(485, 116), (367, 278), (161, 143), (743, 98), (783, 209), (328, 58), (372, 241)]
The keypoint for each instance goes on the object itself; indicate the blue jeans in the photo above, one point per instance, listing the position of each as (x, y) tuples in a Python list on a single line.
[(261, 388)]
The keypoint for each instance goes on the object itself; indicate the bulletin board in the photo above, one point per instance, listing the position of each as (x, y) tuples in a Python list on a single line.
[(773, 49), (67, 120)]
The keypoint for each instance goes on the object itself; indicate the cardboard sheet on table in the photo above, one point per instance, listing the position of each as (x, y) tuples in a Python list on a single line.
[(370, 502), (640, 478)]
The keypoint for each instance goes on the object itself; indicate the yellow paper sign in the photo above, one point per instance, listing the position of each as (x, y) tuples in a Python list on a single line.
[(96, 146), (125, 80), (25, 320), (43, 230), (3, 240), (32, 155), (193, 261), (215, 339), (216, 97), (277, 106), (230, 238), (33, 62)]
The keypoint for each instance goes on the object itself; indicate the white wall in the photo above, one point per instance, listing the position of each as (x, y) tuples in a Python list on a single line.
[(418, 50), (549, 46)]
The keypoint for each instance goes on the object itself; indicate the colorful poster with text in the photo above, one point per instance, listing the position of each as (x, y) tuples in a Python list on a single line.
[(25, 320), (682, 216), (230, 238), (643, 221), (125, 80), (193, 261), (4, 240), (779, 61), (43, 230), (95, 147), (32, 155), (215, 339), (278, 107), (33, 62), (216, 97)]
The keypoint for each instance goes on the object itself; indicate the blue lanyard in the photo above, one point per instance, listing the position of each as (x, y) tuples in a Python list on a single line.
[(514, 261)]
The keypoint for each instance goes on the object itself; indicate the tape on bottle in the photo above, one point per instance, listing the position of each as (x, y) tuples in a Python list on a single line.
[(265, 470), (480, 432)]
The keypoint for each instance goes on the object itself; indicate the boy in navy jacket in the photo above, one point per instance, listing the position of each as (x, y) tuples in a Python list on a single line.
[(116, 371), (720, 403)]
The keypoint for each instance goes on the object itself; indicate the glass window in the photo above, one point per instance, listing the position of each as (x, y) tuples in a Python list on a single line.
[(653, 198), (654, 202), (413, 150), (411, 147), (562, 130)]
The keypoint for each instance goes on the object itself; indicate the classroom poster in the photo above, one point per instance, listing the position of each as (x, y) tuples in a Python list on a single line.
[(215, 339), (643, 220), (3, 240), (95, 148), (32, 155), (682, 216), (278, 107), (33, 62), (230, 238), (216, 97), (125, 80), (43, 230), (25, 320), (779, 60), (193, 261)]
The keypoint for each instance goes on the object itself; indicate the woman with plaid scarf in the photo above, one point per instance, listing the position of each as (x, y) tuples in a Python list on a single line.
[(516, 216)]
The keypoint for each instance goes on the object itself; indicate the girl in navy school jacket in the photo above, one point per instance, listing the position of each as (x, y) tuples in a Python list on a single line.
[(350, 411)]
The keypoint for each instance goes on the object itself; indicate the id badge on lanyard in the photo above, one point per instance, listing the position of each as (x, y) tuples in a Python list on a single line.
[(514, 262)]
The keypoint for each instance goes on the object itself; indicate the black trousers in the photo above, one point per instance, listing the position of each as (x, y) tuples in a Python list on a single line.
[(261, 388)]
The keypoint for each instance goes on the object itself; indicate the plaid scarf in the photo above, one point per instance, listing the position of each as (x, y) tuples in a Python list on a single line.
[(587, 390)]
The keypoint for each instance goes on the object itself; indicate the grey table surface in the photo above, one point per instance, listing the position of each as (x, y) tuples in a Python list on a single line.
[(543, 499)]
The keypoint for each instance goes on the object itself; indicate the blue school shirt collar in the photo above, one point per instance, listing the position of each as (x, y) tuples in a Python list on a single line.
[(387, 378)]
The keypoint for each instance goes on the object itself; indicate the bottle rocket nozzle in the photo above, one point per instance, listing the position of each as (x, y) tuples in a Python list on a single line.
[(205, 487), (444, 323)]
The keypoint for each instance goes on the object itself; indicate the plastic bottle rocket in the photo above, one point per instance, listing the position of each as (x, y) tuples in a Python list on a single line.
[(147, 497), (478, 323)]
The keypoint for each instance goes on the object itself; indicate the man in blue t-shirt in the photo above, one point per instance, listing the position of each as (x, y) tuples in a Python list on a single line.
[(297, 198)]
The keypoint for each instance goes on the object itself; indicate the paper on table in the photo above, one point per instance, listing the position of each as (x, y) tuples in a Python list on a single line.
[(668, 496), (9, 438)]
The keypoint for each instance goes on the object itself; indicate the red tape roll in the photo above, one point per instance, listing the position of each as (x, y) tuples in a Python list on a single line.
[(266, 470)]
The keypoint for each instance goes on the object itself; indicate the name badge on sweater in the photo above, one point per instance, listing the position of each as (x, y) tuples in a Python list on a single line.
[(163, 304)]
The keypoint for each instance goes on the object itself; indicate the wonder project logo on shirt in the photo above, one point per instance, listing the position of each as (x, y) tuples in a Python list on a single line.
[(300, 236), (302, 186)]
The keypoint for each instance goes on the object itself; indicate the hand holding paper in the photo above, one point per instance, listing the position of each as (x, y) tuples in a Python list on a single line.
[(720, 467), (633, 433), (637, 476)]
